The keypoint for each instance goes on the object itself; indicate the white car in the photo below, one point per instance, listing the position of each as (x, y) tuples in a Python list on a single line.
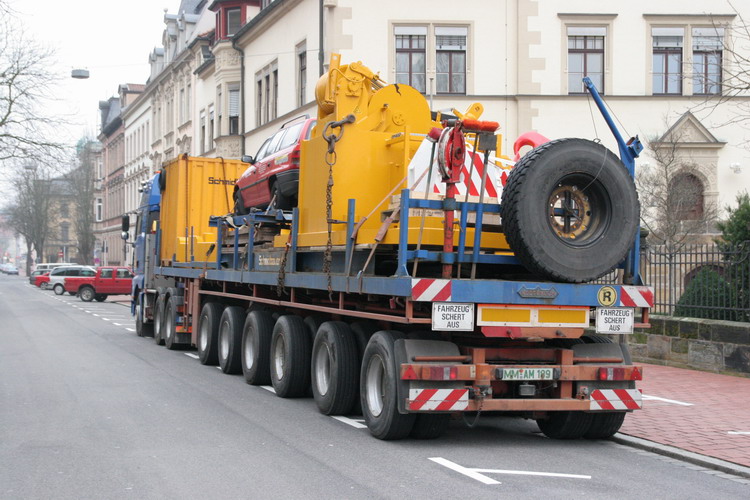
[(57, 276)]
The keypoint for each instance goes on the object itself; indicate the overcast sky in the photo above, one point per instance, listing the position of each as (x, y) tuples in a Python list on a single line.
[(111, 39)]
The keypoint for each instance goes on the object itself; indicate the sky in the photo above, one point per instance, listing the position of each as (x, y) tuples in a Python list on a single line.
[(109, 38)]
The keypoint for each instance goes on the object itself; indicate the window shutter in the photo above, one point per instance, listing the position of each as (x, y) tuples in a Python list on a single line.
[(234, 102)]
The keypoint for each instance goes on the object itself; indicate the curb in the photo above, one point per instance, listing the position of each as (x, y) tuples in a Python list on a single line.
[(687, 456)]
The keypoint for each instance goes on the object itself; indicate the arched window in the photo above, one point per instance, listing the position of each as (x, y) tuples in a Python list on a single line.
[(686, 191)]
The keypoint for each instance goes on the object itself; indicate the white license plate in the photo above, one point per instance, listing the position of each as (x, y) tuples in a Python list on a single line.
[(528, 374), (616, 320)]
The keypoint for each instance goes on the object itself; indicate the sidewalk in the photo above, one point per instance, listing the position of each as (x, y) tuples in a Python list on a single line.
[(704, 413)]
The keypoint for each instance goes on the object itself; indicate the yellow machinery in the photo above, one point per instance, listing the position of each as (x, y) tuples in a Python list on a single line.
[(369, 161), (194, 189)]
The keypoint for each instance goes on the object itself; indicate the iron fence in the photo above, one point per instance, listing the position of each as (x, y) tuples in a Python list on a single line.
[(702, 281)]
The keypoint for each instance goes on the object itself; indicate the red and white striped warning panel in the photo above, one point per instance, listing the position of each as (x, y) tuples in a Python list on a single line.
[(438, 399), (431, 290), (636, 296), (616, 399)]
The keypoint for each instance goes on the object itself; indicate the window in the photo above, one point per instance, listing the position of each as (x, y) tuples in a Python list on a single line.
[(233, 21), (65, 231), (98, 214), (450, 59), (410, 56), (686, 192), (88, 272), (585, 57), (182, 106), (106, 273), (123, 273), (203, 131), (301, 74), (211, 124), (234, 108), (291, 136), (219, 108), (188, 96), (667, 60), (266, 94), (64, 212), (707, 60)]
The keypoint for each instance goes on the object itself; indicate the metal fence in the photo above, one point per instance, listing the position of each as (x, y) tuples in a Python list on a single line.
[(702, 281)]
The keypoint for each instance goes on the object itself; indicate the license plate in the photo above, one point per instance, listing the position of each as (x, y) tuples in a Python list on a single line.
[(615, 320), (528, 374)]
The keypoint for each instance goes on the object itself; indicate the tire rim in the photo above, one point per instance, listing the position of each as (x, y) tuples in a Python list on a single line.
[(203, 335), (59, 290), (249, 350), (579, 210), (374, 384), (87, 295), (323, 369), (157, 321), (170, 324), (224, 340), (279, 349)]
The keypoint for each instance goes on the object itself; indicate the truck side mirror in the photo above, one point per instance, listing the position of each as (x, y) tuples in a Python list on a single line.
[(125, 223), (248, 159)]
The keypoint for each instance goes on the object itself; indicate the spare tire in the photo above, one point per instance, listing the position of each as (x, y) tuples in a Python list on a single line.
[(570, 211)]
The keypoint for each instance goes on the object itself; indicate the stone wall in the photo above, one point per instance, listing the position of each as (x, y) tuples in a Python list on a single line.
[(721, 346)]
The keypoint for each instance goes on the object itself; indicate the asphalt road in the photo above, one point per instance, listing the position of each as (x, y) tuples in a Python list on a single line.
[(89, 410)]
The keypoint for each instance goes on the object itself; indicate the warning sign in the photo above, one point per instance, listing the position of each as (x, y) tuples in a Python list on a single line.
[(614, 319), (452, 316)]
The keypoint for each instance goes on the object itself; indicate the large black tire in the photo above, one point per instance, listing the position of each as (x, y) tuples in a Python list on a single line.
[(362, 331), (87, 293), (290, 357), (570, 211), (565, 424), (335, 369), (256, 347), (208, 333), (605, 425), (170, 322), (142, 329), (159, 319), (430, 425), (378, 391), (230, 340), (59, 289)]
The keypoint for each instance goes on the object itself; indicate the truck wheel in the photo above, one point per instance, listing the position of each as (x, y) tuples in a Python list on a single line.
[(230, 340), (170, 323), (59, 289), (290, 357), (142, 329), (362, 331), (100, 297), (335, 368), (256, 347), (430, 425), (570, 210), (87, 294), (605, 425), (159, 320), (208, 333), (565, 424), (378, 380)]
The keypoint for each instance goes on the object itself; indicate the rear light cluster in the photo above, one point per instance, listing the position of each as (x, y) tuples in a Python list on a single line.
[(620, 373), (430, 373), (294, 157)]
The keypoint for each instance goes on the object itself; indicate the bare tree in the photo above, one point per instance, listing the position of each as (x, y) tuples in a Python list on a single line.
[(81, 179), (29, 212), (26, 85)]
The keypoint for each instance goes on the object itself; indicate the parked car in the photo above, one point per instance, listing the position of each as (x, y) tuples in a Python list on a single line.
[(42, 281), (273, 174), (9, 269), (106, 281), (34, 274), (49, 266), (57, 276)]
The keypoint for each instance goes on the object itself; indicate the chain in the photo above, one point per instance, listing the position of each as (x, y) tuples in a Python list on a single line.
[(280, 287)]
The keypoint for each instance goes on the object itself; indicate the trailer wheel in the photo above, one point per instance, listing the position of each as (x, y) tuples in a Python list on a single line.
[(378, 390), (256, 347), (430, 425), (142, 329), (335, 369), (208, 333), (159, 319), (565, 424), (290, 357), (605, 425), (170, 322), (230, 340), (570, 210), (59, 289), (362, 331), (87, 294)]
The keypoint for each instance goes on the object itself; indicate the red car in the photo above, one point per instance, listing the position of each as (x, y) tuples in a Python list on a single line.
[(107, 281), (42, 280), (273, 173)]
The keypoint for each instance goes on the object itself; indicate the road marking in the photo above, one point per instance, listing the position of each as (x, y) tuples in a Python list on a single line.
[(130, 329), (739, 433), (105, 319), (94, 314), (478, 473), (219, 367), (350, 421), (672, 401), (269, 388), (116, 324), (191, 355)]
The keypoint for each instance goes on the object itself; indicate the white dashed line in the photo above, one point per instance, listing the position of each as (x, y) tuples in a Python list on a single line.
[(117, 324), (191, 355), (350, 421), (130, 329), (739, 433), (672, 401), (269, 388), (479, 474)]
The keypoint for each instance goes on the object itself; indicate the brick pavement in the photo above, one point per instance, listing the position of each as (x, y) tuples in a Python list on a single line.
[(720, 405)]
